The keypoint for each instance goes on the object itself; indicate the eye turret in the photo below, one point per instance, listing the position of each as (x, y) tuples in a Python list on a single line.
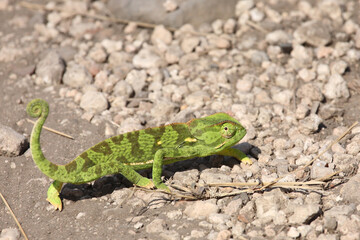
[(228, 130)]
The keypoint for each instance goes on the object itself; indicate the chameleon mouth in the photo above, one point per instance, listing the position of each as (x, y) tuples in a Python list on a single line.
[(221, 144)]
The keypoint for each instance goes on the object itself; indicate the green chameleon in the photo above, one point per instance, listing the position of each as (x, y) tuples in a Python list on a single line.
[(128, 152)]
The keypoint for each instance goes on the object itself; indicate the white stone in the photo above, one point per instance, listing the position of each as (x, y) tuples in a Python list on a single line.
[(147, 58), (160, 33), (336, 87), (93, 101), (201, 209), (77, 76)]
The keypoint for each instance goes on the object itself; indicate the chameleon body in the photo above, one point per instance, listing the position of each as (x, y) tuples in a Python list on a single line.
[(147, 148)]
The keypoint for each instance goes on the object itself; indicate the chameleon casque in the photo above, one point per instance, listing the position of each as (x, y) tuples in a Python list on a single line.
[(128, 152)]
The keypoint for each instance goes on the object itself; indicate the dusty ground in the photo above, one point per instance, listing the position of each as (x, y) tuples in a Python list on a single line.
[(96, 216)]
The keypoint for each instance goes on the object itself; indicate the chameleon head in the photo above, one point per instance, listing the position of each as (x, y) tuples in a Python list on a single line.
[(218, 131)]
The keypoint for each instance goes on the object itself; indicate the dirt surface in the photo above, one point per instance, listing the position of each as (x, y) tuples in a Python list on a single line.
[(93, 214), (24, 179)]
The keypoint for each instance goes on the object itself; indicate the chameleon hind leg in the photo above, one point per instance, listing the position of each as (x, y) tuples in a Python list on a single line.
[(53, 195), (236, 153), (134, 177)]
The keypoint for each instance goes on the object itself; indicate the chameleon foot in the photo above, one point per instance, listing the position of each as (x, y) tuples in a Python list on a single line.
[(162, 186), (145, 183), (246, 160), (53, 195)]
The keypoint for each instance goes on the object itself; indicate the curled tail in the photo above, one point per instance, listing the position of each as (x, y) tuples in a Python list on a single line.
[(39, 108), (82, 169)]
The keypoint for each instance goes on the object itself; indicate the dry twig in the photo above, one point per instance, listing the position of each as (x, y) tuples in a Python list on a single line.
[(52, 130), (14, 217)]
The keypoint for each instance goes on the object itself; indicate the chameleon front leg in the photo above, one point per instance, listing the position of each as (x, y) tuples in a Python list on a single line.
[(53, 195), (236, 153), (161, 154)]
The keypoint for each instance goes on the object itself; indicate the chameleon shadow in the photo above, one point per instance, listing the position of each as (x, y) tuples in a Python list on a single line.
[(107, 184)]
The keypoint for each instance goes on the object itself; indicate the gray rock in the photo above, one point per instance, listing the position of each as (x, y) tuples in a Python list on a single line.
[(156, 226), (119, 58), (201, 209), (268, 205), (211, 176), (98, 54), (302, 56), (238, 229), (174, 215), (187, 178), (77, 76), (302, 111), (219, 220), (93, 101), (307, 75), (293, 233), (170, 235), (330, 223), (197, 234), (229, 26), (258, 57), (123, 88), (243, 6), (311, 91), (278, 37), (197, 99), (338, 67), (130, 124), (314, 33), (4, 4), (233, 206), (12, 143), (327, 237), (162, 109), (10, 234), (138, 225), (283, 97), (349, 190), (331, 9), (137, 80), (79, 29), (195, 12), (173, 54), (161, 34), (246, 83), (353, 148), (340, 210), (188, 44), (248, 212), (50, 69), (111, 45), (304, 230), (305, 214), (310, 124), (148, 58), (286, 80), (256, 15), (223, 235), (336, 87), (320, 170)]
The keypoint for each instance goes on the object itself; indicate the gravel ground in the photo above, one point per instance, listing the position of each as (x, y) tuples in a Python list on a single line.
[(287, 70)]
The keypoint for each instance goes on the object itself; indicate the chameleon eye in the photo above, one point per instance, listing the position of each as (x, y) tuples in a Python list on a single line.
[(228, 130)]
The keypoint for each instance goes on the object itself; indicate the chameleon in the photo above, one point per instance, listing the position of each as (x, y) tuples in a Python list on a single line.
[(147, 148)]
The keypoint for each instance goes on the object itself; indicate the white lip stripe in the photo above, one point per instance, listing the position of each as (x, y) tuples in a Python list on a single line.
[(139, 163)]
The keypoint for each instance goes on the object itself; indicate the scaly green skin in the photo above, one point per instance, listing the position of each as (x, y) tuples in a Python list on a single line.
[(128, 152)]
